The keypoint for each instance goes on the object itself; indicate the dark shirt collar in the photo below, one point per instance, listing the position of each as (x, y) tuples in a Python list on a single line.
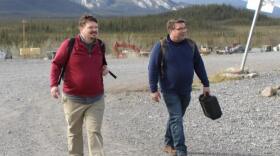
[(175, 43)]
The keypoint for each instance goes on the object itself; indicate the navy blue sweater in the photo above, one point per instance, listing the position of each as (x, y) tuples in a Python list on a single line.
[(181, 62)]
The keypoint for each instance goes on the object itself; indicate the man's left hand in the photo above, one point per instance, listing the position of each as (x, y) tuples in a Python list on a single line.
[(206, 90)]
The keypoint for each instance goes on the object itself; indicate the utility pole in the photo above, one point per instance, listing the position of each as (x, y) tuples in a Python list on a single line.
[(23, 33), (250, 35)]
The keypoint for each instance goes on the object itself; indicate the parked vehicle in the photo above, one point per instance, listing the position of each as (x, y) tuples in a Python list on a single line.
[(276, 48), (266, 48), (5, 54), (234, 48)]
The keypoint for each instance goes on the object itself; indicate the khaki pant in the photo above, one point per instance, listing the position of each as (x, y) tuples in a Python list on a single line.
[(92, 115)]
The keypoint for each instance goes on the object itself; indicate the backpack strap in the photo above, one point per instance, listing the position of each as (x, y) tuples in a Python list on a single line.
[(103, 50), (191, 43), (161, 59), (69, 51), (102, 45)]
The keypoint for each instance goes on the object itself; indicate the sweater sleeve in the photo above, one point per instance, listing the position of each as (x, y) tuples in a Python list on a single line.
[(153, 68), (58, 62), (200, 68)]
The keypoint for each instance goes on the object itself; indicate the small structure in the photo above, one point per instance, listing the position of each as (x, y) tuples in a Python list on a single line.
[(29, 52), (204, 49)]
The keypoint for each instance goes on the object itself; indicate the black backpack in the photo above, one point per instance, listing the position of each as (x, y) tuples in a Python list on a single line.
[(69, 51), (163, 49)]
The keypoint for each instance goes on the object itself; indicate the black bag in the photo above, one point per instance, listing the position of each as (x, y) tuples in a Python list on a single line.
[(210, 106)]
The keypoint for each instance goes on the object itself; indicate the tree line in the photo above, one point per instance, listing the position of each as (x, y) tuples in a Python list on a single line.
[(216, 18)]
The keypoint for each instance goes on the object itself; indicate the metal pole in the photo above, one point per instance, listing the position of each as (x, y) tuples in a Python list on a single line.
[(23, 33), (250, 35)]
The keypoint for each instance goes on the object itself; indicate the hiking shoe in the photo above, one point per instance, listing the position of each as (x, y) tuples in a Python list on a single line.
[(169, 149)]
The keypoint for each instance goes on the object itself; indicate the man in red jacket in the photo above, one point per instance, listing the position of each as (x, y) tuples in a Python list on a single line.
[(83, 90)]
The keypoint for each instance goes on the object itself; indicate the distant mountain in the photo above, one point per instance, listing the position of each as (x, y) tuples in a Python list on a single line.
[(38, 8), (70, 8), (145, 4), (129, 7), (235, 3), (73, 8), (200, 18)]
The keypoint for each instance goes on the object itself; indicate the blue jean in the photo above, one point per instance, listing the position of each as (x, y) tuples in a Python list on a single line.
[(174, 136)]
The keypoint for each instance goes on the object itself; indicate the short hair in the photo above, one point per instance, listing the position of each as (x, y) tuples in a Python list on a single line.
[(171, 23), (86, 18)]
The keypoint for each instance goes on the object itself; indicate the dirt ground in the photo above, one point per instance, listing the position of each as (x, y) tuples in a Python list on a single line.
[(33, 124)]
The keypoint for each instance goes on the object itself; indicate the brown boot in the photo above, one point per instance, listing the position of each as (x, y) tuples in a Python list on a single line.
[(169, 149)]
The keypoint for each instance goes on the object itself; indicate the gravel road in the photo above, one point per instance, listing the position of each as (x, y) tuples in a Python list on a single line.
[(32, 123)]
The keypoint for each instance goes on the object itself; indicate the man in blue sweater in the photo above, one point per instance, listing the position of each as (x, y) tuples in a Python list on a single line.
[(172, 63)]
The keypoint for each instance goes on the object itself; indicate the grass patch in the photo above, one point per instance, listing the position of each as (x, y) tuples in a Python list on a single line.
[(196, 86), (221, 77)]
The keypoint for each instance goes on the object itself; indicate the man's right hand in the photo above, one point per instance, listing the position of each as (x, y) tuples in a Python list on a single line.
[(105, 70), (155, 96), (55, 92)]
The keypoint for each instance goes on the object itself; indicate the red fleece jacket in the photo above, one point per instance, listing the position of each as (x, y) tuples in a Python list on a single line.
[(83, 74)]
